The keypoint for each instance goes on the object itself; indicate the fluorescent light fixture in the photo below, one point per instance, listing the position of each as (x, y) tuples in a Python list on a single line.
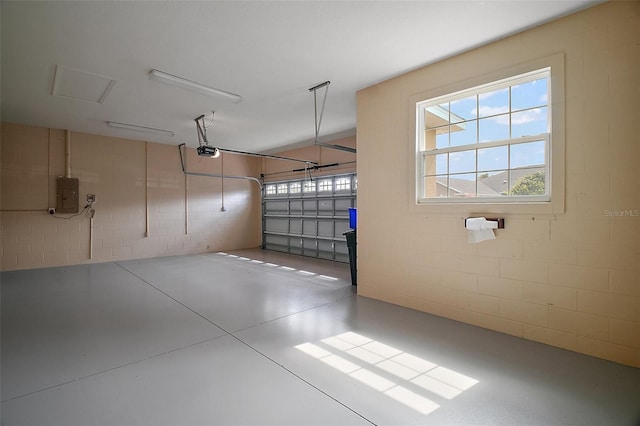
[(192, 85), (135, 128)]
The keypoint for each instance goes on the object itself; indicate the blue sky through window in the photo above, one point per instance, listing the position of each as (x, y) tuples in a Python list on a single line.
[(507, 113)]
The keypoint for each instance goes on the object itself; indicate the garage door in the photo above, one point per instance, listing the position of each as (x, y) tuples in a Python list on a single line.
[(309, 216)]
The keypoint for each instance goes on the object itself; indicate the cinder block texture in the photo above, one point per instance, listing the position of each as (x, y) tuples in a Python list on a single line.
[(569, 276), (146, 206)]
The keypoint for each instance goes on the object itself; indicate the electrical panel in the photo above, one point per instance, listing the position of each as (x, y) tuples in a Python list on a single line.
[(67, 195)]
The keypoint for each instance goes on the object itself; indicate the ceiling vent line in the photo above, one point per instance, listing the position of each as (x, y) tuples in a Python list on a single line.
[(318, 120)]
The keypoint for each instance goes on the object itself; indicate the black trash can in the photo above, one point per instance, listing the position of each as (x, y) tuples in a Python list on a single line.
[(351, 244)]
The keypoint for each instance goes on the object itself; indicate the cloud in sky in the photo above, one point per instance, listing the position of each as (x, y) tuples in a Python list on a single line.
[(528, 116), (487, 95), (488, 110)]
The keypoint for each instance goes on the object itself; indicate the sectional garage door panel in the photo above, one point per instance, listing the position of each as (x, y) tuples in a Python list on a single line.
[(309, 217), (277, 207), (278, 241), (278, 225), (295, 226), (326, 205), (326, 228), (309, 227)]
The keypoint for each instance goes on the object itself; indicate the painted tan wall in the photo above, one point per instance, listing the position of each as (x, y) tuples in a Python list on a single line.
[(569, 279), (275, 170), (114, 170)]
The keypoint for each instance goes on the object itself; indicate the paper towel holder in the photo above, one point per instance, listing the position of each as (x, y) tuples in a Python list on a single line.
[(500, 221)]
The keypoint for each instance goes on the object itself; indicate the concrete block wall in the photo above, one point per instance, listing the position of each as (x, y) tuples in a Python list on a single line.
[(141, 208), (568, 277)]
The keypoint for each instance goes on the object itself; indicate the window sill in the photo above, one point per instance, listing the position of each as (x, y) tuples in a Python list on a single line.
[(466, 207)]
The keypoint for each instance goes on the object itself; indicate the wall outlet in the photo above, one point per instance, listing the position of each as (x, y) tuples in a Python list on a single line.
[(91, 198), (52, 210)]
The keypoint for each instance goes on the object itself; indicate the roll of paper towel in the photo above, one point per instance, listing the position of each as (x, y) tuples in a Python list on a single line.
[(480, 229)]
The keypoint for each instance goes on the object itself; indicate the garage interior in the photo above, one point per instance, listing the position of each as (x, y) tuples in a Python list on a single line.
[(178, 256), (158, 341)]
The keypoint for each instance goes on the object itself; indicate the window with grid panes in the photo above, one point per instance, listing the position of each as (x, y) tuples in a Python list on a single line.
[(270, 189), (325, 185), (283, 188), (309, 186), (488, 143), (295, 188), (343, 184)]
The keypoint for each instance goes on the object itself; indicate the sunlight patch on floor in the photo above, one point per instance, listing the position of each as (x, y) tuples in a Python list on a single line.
[(404, 377)]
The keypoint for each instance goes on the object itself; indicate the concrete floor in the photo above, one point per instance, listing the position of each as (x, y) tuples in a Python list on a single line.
[(263, 338)]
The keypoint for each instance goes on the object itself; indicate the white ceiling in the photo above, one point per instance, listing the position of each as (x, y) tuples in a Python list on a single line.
[(269, 52)]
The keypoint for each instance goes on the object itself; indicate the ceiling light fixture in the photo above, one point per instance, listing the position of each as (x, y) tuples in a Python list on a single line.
[(192, 85), (136, 128)]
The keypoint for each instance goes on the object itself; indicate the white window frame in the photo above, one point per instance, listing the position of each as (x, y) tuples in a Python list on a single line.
[(423, 153)]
